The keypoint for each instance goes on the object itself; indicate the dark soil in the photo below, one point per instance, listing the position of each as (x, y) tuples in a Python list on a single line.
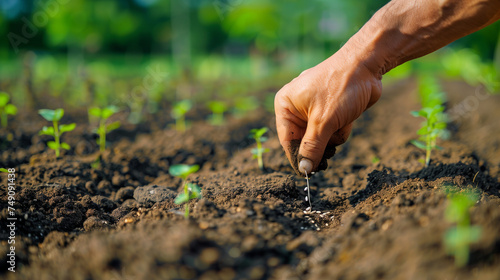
[(382, 220)]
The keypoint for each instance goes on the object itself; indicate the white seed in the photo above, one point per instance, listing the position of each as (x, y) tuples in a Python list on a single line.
[(317, 229), (308, 208), (307, 198), (326, 224), (318, 212), (305, 189)]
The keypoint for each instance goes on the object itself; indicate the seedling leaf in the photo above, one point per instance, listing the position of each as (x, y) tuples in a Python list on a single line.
[(66, 127), (113, 126), (195, 191), (47, 114), (10, 109), (181, 198), (4, 170), (419, 144), (95, 112), (183, 170), (53, 145), (47, 130), (58, 114), (108, 111), (65, 146), (4, 99)]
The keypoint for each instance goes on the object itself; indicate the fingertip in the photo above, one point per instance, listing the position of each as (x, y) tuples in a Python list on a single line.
[(305, 166)]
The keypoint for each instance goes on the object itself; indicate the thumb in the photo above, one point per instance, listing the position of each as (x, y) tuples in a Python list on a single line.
[(313, 145)]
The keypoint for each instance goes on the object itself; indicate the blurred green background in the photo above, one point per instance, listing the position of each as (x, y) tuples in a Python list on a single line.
[(74, 45)]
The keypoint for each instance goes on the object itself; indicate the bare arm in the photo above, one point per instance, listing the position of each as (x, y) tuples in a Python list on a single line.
[(404, 30), (319, 106)]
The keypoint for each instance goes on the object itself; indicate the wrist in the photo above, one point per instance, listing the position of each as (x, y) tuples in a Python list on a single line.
[(373, 47)]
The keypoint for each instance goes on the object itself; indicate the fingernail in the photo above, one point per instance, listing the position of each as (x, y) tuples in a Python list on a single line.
[(305, 166)]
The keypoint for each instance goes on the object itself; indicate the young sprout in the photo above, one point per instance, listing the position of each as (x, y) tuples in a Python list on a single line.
[(56, 130), (3, 170), (6, 108), (218, 108), (191, 191), (433, 127), (458, 238), (179, 111), (257, 134), (103, 115)]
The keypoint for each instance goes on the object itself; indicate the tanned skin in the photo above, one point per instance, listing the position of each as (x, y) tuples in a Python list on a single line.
[(319, 106)]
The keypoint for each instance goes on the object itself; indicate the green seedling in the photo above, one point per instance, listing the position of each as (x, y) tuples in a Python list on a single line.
[(218, 108), (179, 111), (3, 170), (191, 191), (433, 127), (458, 238), (103, 129), (6, 108), (56, 130), (257, 134)]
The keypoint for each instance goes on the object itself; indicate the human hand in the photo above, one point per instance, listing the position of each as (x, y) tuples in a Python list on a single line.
[(317, 108)]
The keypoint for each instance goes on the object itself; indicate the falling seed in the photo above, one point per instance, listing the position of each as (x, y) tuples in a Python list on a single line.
[(312, 222), (307, 198), (318, 212), (308, 208), (317, 229), (326, 224), (305, 189)]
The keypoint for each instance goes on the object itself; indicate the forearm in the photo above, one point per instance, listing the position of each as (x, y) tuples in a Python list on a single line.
[(403, 30)]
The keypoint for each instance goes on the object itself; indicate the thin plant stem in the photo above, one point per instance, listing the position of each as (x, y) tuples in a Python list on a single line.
[(102, 136), (56, 137), (259, 155)]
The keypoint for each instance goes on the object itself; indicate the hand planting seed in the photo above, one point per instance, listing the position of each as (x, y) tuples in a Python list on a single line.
[(191, 191), (6, 108), (218, 108), (257, 134), (179, 111), (56, 130), (103, 115), (458, 238)]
